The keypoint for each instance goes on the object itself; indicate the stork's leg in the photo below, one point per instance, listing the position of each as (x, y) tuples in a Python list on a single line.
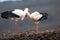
[(36, 27), (16, 23)]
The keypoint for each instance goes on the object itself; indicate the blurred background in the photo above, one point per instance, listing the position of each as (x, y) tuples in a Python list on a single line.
[(52, 7)]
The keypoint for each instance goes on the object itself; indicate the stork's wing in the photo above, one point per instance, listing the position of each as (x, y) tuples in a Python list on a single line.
[(36, 15), (18, 12)]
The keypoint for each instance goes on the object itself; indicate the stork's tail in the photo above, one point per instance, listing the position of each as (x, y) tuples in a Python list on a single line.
[(8, 14), (3, 15), (45, 16)]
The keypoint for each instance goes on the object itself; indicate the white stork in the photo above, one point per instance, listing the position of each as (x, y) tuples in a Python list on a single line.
[(15, 14), (36, 17)]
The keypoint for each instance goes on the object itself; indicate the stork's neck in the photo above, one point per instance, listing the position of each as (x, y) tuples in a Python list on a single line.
[(27, 12)]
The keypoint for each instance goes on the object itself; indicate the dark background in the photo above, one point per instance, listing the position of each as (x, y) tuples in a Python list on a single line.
[(52, 7)]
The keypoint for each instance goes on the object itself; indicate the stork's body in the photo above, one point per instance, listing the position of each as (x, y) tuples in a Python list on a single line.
[(36, 17), (14, 15)]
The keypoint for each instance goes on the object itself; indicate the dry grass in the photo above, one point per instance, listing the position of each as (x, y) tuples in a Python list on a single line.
[(32, 35)]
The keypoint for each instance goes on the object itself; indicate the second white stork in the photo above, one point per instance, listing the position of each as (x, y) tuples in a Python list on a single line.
[(36, 17), (15, 14)]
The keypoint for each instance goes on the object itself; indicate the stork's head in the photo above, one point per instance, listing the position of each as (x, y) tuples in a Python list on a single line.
[(25, 13), (26, 9)]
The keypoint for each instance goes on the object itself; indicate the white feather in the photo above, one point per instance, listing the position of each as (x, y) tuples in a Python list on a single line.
[(18, 12), (36, 15)]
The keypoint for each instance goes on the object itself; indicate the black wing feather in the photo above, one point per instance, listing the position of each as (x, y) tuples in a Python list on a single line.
[(44, 17), (8, 14)]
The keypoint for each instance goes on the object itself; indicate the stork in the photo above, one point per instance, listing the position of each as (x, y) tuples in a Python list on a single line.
[(15, 14), (36, 17)]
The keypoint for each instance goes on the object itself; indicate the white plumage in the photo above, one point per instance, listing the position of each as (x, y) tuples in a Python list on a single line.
[(20, 13), (36, 15)]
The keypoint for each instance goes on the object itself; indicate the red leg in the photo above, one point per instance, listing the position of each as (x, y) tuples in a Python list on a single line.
[(16, 25), (36, 27)]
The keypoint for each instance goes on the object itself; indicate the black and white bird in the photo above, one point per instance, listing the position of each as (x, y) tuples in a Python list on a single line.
[(15, 14), (36, 17)]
